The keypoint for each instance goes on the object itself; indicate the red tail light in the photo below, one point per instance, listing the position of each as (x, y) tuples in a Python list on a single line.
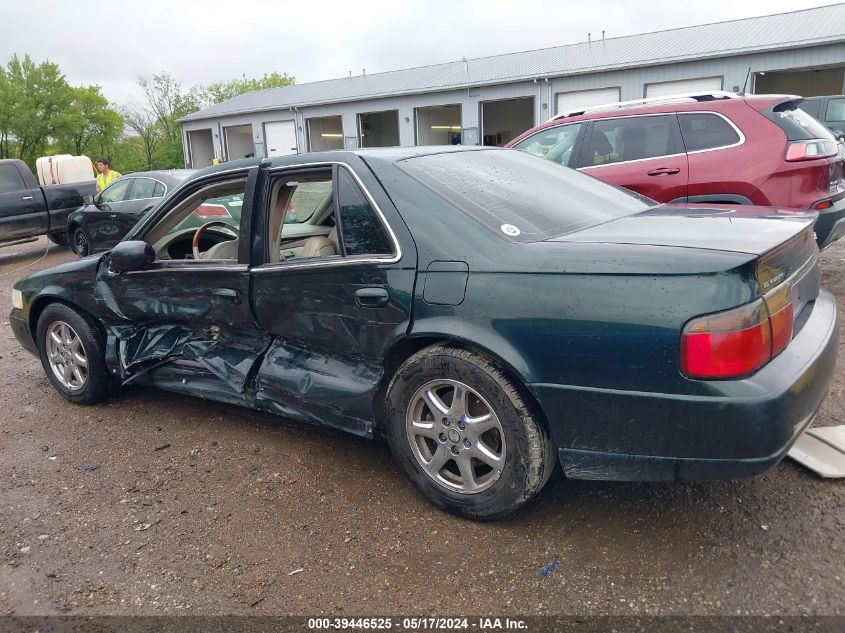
[(812, 149), (737, 342), (206, 211)]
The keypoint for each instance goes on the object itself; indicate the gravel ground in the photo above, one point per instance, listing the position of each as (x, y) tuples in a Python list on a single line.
[(156, 503)]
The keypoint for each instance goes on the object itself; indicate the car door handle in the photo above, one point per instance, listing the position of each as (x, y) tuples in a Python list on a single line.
[(27, 198), (227, 295), (371, 297), (664, 171), (113, 216)]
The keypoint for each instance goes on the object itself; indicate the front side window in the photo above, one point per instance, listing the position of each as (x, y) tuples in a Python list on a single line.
[(143, 188), (210, 216), (702, 130), (555, 144), (630, 138), (115, 192)]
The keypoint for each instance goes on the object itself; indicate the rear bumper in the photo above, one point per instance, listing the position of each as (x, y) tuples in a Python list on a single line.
[(743, 429), (830, 225)]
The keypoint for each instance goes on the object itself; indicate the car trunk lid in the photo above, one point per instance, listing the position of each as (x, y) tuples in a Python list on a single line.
[(781, 241)]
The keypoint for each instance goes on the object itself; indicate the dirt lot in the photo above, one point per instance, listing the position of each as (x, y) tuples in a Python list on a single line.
[(237, 503)]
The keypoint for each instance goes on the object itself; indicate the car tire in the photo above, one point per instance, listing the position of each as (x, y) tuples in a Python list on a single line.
[(64, 336), (81, 243), (58, 238), (498, 455)]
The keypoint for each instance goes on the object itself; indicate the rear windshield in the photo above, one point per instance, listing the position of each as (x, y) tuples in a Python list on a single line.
[(796, 124), (522, 197)]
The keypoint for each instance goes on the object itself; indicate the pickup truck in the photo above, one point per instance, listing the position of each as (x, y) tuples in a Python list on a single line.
[(28, 210)]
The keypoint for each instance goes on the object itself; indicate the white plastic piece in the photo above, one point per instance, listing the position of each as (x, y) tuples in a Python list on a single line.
[(822, 450), (64, 169)]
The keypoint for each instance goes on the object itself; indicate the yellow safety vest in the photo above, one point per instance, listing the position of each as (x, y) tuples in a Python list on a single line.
[(104, 180)]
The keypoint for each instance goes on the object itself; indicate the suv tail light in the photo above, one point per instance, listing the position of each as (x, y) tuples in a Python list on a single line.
[(737, 342), (811, 149)]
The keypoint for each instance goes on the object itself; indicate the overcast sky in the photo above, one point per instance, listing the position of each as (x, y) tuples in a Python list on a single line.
[(112, 42)]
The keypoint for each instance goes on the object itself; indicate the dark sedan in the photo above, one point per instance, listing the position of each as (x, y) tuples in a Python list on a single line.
[(486, 311), (107, 216)]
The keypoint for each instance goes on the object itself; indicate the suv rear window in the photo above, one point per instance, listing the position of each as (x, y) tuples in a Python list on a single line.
[(702, 130), (521, 197), (796, 124)]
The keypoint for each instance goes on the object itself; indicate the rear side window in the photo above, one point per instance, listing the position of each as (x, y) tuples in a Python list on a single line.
[(835, 110), (361, 231), (796, 124), (142, 188), (702, 130), (159, 190), (10, 179), (630, 138), (555, 144)]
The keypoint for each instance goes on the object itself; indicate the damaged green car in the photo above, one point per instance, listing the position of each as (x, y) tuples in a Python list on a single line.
[(489, 313)]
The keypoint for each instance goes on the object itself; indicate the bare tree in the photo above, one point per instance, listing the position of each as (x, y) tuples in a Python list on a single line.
[(146, 125)]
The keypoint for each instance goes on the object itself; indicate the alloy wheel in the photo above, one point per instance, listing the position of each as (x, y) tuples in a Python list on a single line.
[(66, 356), (455, 436)]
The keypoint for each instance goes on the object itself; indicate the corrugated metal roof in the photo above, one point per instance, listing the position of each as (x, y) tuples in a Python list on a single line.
[(785, 30)]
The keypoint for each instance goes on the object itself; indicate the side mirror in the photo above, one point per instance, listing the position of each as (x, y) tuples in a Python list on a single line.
[(840, 135), (131, 255), (88, 200)]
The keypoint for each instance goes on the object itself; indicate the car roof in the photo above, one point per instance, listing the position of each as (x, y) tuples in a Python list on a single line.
[(682, 103), (168, 176), (387, 154)]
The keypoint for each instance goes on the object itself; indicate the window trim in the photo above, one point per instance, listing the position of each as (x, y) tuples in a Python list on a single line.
[(718, 114), (340, 261)]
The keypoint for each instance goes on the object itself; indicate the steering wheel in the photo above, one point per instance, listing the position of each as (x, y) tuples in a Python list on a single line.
[(196, 242)]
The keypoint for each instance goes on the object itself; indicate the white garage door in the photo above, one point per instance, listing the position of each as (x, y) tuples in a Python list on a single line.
[(280, 138), (585, 98), (665, 88)]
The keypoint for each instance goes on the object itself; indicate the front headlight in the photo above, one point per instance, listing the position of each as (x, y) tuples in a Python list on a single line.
[(17, 299)]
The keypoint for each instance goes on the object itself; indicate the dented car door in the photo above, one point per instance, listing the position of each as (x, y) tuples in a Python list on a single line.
[(336, 303), (185, 323)]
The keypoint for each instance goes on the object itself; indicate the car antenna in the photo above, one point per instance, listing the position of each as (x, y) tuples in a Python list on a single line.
[(747, 75)]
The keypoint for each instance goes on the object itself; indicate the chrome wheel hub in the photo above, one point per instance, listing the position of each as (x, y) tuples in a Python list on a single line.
[(66, 356), (455, 436)]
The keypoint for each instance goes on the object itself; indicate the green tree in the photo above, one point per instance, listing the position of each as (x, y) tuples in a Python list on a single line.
[(89, 122), (40, 94), (220, 91)]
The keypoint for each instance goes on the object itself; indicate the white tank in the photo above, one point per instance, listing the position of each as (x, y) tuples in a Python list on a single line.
[(64, 169)]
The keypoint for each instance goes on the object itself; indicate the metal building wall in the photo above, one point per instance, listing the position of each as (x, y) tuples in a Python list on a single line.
[(631, 82)]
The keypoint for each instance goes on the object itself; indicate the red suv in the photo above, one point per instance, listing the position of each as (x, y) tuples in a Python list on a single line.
[(711, 148)]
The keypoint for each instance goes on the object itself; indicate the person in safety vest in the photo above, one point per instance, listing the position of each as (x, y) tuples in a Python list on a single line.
[(105, 174)]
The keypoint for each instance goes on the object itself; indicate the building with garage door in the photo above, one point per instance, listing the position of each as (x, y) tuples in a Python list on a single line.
[(491, 100)]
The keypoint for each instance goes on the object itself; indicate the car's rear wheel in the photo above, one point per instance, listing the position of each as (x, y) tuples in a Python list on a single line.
[(72, 354), (462, 432), (81, 244)]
